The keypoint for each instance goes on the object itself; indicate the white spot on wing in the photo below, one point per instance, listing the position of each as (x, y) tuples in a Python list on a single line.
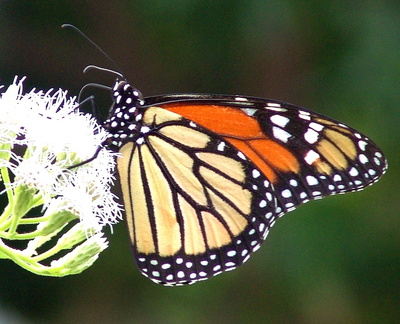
[(317, 127), (240, 99), (144, 129), (363, 159), (221, 147), (273, 104), (304, 115), (311, 157), (166, 266), (311, 136), (362, 145), (241, 155), (281, 134), (249, 111), (353, 172), (279, 120), (311, 180), (286, 193), (337, 178), (275, 108)]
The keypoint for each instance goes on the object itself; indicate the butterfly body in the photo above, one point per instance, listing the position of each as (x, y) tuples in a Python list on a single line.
[(204, 177)]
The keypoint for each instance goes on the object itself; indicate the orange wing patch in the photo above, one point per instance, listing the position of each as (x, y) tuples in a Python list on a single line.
[(222, 120), (243, 132)]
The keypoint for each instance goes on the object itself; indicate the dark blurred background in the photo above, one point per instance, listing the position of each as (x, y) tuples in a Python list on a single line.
[(330, 261)]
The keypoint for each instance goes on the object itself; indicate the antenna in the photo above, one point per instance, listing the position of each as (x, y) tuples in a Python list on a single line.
[(93, 85), (95, 45), (95, 67)]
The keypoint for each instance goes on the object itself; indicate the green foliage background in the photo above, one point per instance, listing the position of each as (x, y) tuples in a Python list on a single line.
[(330, 261)]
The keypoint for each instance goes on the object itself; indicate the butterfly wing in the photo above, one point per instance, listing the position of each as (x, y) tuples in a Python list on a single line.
[(304, 155), (195, 205), (209, 175)]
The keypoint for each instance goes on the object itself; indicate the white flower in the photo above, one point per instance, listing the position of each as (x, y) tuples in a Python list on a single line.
[(43, 136)]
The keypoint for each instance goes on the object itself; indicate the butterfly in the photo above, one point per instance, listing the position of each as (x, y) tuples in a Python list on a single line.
[(204, 177)]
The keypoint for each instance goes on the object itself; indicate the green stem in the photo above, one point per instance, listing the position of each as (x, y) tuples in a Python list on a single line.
[(49, 253), (15, 255), (19, 236), (6, 179), (5, 214), (10, 195), (34, 220), (28, 263)]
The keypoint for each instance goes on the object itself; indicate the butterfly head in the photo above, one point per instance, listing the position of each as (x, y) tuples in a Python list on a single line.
[(126, 113), (124, 94)]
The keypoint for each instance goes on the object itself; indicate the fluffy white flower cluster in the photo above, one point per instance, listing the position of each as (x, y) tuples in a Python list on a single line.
[(42, 137)]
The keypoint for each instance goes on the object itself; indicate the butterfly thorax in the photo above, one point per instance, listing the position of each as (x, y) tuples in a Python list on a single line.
[(125, 119)]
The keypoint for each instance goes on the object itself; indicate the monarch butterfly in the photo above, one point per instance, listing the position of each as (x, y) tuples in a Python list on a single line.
[(204, 177)]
